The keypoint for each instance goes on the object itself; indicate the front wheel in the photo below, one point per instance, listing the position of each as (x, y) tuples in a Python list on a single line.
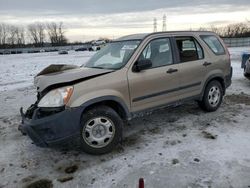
[(101, 130), (212, 97)]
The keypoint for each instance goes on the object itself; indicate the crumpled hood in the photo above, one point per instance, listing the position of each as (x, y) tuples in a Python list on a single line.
[(65, 75)]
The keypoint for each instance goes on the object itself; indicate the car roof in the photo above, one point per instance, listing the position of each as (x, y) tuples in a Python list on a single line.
[(141, 36)]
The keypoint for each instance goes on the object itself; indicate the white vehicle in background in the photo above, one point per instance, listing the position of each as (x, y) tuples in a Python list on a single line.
[(98, 44)]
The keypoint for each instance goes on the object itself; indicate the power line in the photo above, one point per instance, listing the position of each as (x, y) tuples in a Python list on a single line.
[(155, 25), (164, 25)]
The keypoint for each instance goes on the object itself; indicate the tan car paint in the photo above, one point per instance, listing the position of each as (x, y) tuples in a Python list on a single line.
[(112, 84), (128, 85)]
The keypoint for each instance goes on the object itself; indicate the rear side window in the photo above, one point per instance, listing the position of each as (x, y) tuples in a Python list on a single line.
[(189, 49), (214, 44)]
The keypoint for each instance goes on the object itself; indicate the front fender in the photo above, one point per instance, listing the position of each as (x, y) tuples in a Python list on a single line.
[(100, 96), (107, 98)]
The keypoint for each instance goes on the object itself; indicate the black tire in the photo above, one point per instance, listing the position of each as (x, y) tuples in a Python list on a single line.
[(246, 74), (207, 104), (117, 125)]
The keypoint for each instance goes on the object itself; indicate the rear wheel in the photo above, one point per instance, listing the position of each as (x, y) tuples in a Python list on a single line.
[(101, 130), (212, 97)]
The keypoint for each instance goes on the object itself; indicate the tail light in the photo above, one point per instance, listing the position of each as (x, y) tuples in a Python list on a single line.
[(226, 47)]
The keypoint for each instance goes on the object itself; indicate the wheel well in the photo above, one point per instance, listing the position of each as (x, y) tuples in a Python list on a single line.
[(222, 82), (112, 104)]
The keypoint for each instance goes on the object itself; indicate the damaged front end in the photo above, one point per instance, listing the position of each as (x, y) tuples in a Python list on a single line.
[(50, 126), (50, 121)]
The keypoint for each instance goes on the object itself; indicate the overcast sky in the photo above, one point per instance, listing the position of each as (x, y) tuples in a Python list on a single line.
[(113, 18)]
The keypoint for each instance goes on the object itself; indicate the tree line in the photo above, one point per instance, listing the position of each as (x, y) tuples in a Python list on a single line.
[(39, 34), (36, 35), (237, 30)]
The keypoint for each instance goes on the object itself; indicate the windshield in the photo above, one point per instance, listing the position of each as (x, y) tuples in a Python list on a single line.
[(113, 56)]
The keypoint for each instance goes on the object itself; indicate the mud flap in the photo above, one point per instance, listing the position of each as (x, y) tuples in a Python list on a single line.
[(19, 126)]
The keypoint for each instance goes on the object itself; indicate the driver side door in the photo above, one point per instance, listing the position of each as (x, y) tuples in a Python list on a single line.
[(156, 85)]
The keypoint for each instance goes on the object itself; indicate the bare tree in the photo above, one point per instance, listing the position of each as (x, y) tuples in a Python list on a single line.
[(232, 30), (36, 32), (4, 33), (202, 29), (33, 34), (215, 30), (12, 35), (1, 34), (20, 36), (236, 30), (52, 32), (56, 33), (62, 38), (41, 33)]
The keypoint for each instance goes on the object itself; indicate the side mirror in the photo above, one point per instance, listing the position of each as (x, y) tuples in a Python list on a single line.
[(142, 65)]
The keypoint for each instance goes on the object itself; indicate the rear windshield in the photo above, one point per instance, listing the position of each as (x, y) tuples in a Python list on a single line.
[(214, 44)]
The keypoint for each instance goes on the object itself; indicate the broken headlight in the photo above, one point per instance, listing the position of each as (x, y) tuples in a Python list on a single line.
[(57, 97)]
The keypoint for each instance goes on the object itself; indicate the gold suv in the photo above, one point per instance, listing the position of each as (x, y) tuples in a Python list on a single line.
[(130, 75)]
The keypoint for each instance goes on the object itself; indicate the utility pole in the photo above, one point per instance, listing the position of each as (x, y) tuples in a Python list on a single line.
[(164, 25), (155, 25)]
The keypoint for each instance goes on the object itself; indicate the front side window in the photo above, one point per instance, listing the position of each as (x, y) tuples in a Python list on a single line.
[(189, 49), (113, 56), (214, 44), (159, 52)]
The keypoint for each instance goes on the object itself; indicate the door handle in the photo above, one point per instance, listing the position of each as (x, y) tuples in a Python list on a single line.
[(170, 71), (206, 63)]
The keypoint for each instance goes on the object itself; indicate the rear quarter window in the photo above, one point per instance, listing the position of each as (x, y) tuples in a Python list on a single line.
[(189, 49), (214, 44)]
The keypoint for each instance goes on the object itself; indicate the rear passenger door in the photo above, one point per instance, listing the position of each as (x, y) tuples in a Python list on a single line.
[(191, 70)]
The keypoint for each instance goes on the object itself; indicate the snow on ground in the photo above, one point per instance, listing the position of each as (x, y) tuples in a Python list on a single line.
[(17, 71), (177, 147)]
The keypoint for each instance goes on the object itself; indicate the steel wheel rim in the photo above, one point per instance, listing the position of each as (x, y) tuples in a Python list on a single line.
[(98, 132), (214, 96)]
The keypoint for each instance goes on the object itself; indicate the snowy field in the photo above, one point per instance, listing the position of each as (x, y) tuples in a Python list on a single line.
[(17, 71), (169, 148)]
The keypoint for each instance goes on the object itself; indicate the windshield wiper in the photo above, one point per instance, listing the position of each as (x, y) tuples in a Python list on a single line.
[(97, 67), (93, 67)]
